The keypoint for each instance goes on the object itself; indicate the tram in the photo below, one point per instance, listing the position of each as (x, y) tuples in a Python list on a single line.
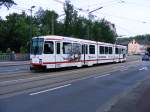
[(58, 51)]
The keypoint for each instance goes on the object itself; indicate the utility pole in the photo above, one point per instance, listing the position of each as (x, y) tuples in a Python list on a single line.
[(31, 10), (53, 22), (90, 16)]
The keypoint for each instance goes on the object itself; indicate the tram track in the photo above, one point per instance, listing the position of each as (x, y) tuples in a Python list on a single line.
[(48, 79), (17, 87), (13, 74), (27, 74)]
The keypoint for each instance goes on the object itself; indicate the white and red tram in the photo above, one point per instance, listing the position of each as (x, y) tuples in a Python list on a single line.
[(58, 51)]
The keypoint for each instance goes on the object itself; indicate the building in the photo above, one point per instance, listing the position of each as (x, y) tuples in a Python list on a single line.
[(138, 47)]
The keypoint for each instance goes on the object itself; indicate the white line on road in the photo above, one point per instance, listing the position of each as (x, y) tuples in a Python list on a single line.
[(102, 76), (119, 66), (124, 69), (143, 68), (49, 89)]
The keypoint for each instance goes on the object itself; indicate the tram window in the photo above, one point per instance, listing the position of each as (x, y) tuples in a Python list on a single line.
[(106, 50), (48, 47), (120, 51), (116, 50), (58, 48), (123, 51), (67, 48), (76, 49), (110, 50), (101, 50), (91, 49), (86, 49), (83, 49)]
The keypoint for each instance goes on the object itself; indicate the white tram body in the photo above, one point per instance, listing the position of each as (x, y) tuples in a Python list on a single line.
[(58, 51)]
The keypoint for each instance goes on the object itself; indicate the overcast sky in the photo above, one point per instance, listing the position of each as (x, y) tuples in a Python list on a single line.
[(131, 17)]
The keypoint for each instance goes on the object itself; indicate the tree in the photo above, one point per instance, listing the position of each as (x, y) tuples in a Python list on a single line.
[(15, 31), (2, 34), (80, 28), (107, 34), (7, 3), (46, 21), (70, 13)]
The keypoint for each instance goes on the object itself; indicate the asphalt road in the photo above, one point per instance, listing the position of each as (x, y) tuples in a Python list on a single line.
[(92, 89)]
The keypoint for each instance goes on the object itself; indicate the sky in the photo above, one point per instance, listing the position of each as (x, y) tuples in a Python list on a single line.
[(131, 17)]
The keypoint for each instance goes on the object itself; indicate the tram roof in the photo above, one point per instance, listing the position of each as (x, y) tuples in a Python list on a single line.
[(55, 37)]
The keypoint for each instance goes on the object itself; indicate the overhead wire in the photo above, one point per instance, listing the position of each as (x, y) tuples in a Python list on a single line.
[(126, 18), (137, 4)]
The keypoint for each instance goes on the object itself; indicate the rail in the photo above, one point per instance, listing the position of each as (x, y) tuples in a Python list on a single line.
[(14, 57)]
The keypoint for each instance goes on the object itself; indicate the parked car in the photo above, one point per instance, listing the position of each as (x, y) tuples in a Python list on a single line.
[(145, 58)]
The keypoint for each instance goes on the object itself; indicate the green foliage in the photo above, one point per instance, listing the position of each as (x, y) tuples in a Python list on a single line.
[(23, 49), (142, 37), (15, 30), (7, 3), (8, 50), (145, 39), (70, 18), (46, 21)]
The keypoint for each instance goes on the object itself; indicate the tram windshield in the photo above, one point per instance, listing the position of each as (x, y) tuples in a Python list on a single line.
[(37, 46)]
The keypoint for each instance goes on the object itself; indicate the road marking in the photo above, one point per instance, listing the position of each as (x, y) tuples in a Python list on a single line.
[(119, 66), (52, 89), (143, 68), (102, 76), (124, 69)]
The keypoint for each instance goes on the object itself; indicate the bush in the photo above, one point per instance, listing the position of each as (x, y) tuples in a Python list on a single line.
[(23, 49), (8, 50)]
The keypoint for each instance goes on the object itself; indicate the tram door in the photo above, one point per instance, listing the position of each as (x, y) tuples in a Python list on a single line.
[(84, 53), (57, 54)]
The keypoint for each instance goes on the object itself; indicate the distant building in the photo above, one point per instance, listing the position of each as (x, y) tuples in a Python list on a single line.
[(138, 47)]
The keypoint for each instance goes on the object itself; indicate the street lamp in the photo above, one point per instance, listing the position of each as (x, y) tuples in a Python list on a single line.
[(53, 23), (90, 16), (31, 10), (30, 35)]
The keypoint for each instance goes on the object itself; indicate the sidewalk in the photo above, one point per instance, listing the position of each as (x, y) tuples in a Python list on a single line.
[(14, 63)]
